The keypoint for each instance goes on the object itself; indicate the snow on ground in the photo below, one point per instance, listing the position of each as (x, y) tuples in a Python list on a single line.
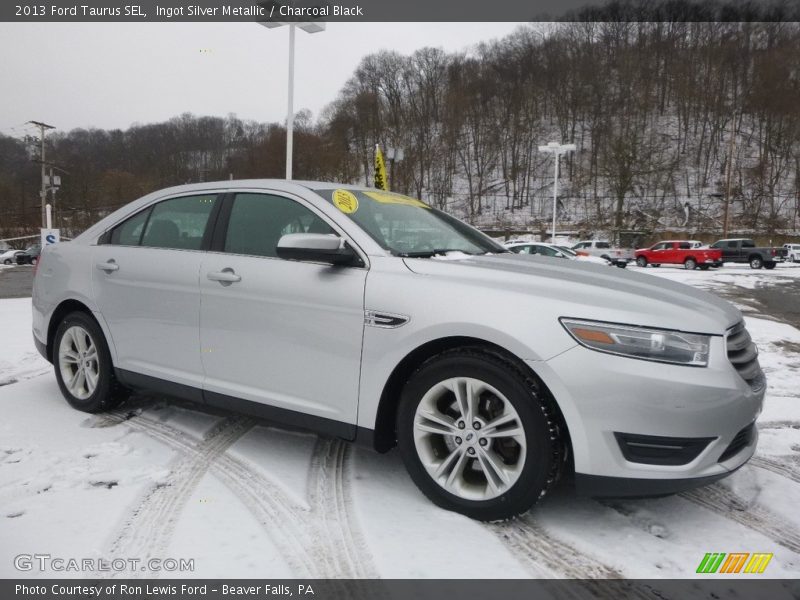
[(161, 479)]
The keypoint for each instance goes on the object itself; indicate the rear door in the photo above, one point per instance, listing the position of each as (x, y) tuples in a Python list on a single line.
[(285, 335), (145, 278)]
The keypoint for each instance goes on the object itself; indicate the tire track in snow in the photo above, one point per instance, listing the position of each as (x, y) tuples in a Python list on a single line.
[(149, 528), (331, 504), (546, 556), (294, 529), (268, 504), (723, 502), (783, 467)]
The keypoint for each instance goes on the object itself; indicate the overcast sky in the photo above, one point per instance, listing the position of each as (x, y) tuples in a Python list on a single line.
[(112, 75)]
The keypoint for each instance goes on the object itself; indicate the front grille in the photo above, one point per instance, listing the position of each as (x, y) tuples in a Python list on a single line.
[(743, 354), (741, 440), (657, 450)]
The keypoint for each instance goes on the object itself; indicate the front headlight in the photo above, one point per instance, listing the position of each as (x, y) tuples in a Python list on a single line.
[(661, 345)]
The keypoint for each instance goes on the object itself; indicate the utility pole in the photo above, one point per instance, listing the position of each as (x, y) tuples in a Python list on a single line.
[(725, 217), (43, 194)]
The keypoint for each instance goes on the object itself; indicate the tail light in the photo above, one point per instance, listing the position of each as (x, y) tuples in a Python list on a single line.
[(581, 253), (36, 266)]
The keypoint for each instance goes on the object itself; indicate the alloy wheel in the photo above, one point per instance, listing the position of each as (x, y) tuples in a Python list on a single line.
[(469, 438), (78, 362)]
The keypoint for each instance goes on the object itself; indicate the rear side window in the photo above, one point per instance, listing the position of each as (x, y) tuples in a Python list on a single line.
[(684, 245), (748, 244), (129, 232), (602, 245), (258, 221), (179, 223)]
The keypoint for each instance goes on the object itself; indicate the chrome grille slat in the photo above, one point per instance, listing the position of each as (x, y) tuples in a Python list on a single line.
[(743, 355)]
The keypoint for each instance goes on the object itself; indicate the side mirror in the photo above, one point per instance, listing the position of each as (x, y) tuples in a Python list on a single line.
[(316, 247)]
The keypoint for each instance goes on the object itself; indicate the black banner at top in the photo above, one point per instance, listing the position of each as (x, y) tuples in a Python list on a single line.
[(140, 11)]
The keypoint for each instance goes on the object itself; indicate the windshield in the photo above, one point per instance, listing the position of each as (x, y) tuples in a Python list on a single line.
[(408, 227)]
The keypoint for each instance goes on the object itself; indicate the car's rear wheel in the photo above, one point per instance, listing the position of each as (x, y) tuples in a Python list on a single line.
[(690, 264), (641, 261), (7, 261), (704, 267), (756, 262), (478, 435), (770, 265), (83, 366)]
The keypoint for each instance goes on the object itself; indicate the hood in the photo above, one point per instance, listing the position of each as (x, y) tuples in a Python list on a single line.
[(584, 290)]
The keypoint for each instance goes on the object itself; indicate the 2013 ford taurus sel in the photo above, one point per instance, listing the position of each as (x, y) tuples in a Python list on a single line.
[(373, 317)]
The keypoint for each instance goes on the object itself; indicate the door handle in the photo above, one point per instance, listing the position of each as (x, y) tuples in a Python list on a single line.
[(109, 266), (225, 277)]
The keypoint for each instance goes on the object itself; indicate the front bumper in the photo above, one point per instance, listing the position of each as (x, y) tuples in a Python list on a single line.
[(603, 396)]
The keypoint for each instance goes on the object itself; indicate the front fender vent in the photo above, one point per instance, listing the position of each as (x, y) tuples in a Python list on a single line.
[(384, 320)]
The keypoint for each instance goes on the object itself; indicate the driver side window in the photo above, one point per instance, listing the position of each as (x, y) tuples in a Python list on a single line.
[(258, 221)]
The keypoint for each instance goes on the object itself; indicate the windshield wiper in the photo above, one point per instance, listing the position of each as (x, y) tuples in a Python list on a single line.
[(431, 253)]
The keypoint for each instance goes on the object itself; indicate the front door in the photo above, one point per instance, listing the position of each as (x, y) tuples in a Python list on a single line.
[(283, 334)]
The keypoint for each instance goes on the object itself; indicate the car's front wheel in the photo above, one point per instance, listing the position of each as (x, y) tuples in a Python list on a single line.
[(690, 264), (478, 435), (7, 261), (83, 366)]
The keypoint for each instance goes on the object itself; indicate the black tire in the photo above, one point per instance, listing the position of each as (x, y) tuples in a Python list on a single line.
[(690, 264), (704, 267), (107, 393), (756, 262), (7, 261), (656, 266), (641, 261), (544, 435), (622, 264), (770, 265), (34, 260)]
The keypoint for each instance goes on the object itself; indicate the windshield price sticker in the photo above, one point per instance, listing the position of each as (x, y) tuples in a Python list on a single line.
[(345, 201)]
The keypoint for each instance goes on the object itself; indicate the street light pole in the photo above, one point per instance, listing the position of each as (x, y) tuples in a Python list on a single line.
[(308, 28), (290, 114), (556, 150)]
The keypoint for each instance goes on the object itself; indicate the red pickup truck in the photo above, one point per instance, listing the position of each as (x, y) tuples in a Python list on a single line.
[(679, 252)]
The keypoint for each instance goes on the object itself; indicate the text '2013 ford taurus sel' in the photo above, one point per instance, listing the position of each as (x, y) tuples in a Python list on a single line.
[(371, 316)]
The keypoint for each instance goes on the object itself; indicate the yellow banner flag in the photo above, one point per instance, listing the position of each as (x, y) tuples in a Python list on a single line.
[(380, 170)]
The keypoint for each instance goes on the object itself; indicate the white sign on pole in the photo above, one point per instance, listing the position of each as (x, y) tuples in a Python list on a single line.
[(50, 236)]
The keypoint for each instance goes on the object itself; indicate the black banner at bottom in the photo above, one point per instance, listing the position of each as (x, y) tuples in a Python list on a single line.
[(399, 589)]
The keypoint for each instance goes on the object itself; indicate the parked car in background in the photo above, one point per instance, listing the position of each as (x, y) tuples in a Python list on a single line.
[(543, 249), (306, 303), (30, 256), (583, 256), (792, 252), (619, 257), (9, 257), (679, 252), (744, 250)]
